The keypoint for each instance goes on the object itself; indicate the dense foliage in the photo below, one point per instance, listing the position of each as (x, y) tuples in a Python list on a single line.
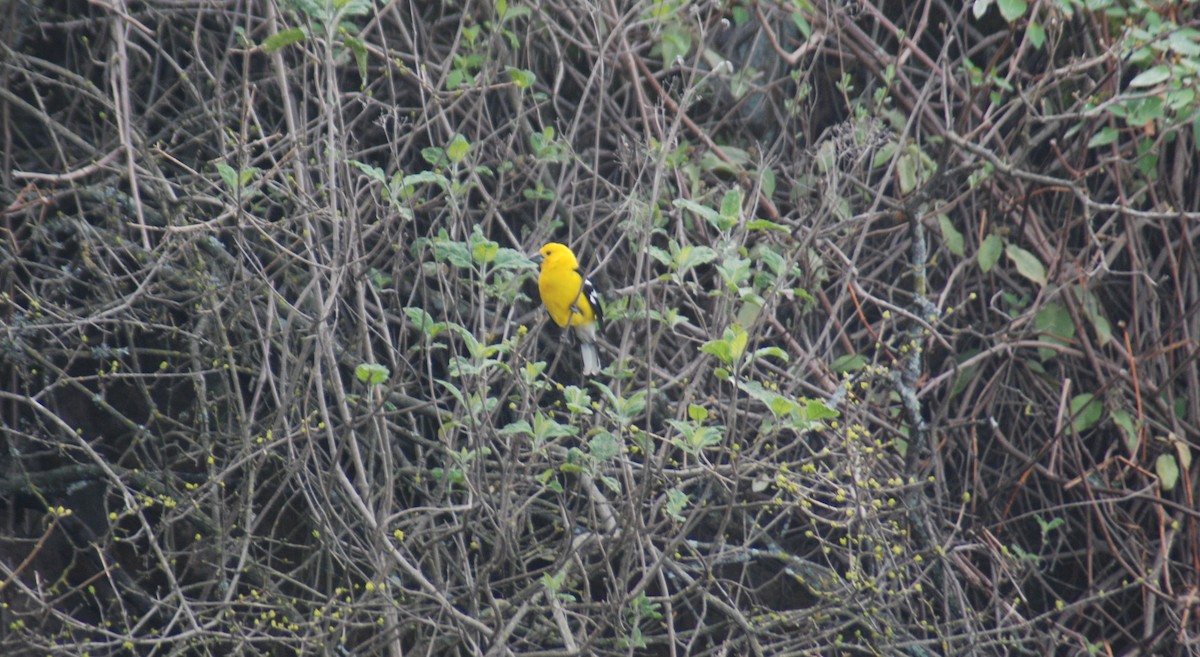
[(901, 336)]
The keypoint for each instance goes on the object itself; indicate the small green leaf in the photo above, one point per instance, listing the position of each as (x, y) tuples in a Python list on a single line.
[(1036, 34), (372, 374), (604, 446), (521, 78), (774, 352), (708, 214), (676, 42), (951, 235), (906, 169), (359, 49), (1027, 264), (1151, 76), (1054, 325), (1091, 309), (731, 207), (434, 156), (611, 483), (1183, 450), (817, 410), (848, 363), (1124, 420), (1011, 10), (765, 225), (737, 341), (989, 252), (1085, 412), (1142, 111), (1167, 469), (424, 178), (372, 172), (718, 348), (484, 251), (688, 257), (697, 413), (768, 182), (1103, 137), (677, 500), (228, 176), (283, 39), (517, 428), (457, 148), (730, 347)]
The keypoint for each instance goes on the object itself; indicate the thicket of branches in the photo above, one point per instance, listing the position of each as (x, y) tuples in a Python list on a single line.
[(901, 343)]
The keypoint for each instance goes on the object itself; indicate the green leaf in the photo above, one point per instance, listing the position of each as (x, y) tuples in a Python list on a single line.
[(848, 363), (1036, 34), (1085, 412), (434, 156), (906, 169), (1167, 469), (677, 500), (704, 212), (546, 428), (735, 272), (1091, 310), (424, 178), (1103, 137), (571, 468), (950, 235), (1151, 76), (623, 409), (484, 251), (611, 483), (521, 78), (424, 321), (718, 348), (1128, 426), (989, 252), (730, 347), (372, 374), (817, 410), (372, 172), (697, 413), (228, 176), (604, 446), (737, 341), (1054, 325), (688, 257), (731, 208), (1011, 10), (768, 182), (1142, 111), (283, 39), (1184, 452), (676, 42), (517, 428), (359, 49), (980, 7), (774, 352), (457, 149), (446, 249), (1027, 264)]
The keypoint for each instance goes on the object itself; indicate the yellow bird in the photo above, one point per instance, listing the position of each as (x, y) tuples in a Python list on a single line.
[(571, 300)]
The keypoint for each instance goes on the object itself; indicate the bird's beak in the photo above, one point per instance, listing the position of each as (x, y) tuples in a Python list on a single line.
[(537, 258)]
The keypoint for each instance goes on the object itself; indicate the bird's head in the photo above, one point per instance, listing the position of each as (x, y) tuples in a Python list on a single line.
[(555, 254)]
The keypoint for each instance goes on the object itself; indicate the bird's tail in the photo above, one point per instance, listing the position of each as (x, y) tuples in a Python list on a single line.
[(591, 358)]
